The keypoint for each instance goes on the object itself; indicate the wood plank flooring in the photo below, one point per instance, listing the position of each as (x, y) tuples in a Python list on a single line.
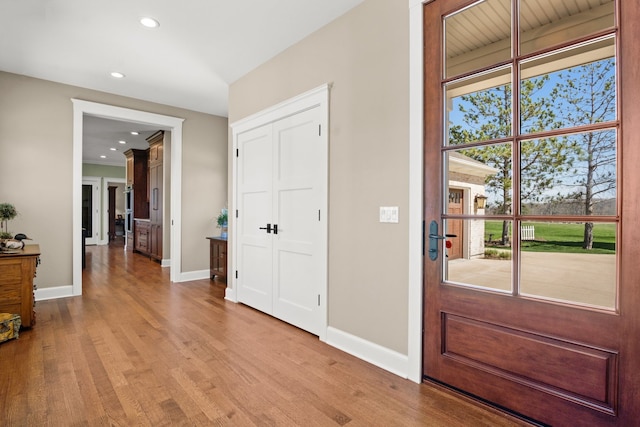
[(136, 349)]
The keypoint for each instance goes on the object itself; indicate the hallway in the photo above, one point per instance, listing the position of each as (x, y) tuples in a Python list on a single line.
[(136, 349)]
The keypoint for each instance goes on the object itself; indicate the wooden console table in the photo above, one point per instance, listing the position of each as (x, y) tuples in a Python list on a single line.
[(17, 271), (218, 257)]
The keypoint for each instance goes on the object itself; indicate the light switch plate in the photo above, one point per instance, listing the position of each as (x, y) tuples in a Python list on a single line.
[(389, 214)]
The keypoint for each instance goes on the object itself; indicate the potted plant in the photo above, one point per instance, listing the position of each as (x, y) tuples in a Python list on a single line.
[(7, 212), (223, 222)]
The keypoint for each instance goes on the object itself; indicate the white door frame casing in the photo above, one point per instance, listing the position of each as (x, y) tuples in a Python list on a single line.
[(174, 124), (318, 97), (105, 206), (416, 190)]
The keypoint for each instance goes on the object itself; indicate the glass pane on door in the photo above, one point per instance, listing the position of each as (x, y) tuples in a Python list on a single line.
[(570, 88), (578, 175), (546, 23), (569, 262), (485, 173), (478, 108), (479, 254), (477, 36)]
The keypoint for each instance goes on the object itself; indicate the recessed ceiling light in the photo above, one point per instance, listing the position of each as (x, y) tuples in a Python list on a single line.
[(122, 142), (117, 75), (112, 149), (134, 133), (149, 22), (103, 157)]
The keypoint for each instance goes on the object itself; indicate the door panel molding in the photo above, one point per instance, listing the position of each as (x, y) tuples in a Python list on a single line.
[(538, 362)]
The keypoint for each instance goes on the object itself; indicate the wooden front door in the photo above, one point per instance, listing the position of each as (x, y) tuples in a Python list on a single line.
[(545, 96)]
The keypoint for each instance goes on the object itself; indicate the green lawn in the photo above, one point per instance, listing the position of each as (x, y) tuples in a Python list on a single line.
[(560, 237)]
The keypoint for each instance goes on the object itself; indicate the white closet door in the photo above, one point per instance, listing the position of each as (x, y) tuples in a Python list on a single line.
[(255, 246), (282, 181), (297, 201)]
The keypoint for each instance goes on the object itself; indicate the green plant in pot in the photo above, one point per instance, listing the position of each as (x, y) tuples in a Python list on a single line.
[(7, 212), (223, 222)]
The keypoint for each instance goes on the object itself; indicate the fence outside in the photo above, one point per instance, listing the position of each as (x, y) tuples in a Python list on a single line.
[(527, 232)]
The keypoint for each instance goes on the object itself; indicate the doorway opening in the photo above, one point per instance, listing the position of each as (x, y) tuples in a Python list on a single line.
[(114, 211), (83, 108)]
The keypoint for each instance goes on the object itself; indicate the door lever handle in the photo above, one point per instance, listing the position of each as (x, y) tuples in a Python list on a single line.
[(268, 228), (275, 228), (435, 236), (433, 240)]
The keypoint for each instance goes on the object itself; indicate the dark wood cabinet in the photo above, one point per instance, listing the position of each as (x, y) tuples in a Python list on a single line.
[(218, 257), (129, 167), (138, 172), (141, 231), (111, 212), (137, 183), (145, 176), (156, 205), (17, 271)]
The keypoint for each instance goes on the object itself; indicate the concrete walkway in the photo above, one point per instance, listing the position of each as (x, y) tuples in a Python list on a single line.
[(583, 278)]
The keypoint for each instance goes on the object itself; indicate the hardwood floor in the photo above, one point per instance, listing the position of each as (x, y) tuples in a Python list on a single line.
[(136, 349)]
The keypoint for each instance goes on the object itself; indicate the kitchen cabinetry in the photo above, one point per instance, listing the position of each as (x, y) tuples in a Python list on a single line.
[(142, 230), (155, 194), (138, 167), (138, 190), (17, 271)]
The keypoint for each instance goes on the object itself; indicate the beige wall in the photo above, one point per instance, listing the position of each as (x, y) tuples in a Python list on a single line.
[(89, 169), (36, 145), (365, 55)]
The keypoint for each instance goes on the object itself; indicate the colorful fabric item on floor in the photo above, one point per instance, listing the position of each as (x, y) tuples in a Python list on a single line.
[(9, 326)]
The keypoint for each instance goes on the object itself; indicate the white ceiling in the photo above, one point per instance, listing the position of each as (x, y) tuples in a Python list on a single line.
[(101, 137), (200, 47)]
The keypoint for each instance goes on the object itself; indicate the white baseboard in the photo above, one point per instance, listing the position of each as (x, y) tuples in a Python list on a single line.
[(375, 354), (43, 294), (165, 262), (194, 275), (53, 293), (230, 294)]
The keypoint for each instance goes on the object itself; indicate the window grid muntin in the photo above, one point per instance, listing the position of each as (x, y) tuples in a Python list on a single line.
[(516, 216)]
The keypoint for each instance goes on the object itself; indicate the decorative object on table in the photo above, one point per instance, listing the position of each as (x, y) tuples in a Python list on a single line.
[(223, 222), (14, 244), (9, 326), (7, 212)]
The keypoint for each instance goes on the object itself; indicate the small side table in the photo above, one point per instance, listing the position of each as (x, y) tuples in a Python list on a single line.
[(17, 270), (218, 257)]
